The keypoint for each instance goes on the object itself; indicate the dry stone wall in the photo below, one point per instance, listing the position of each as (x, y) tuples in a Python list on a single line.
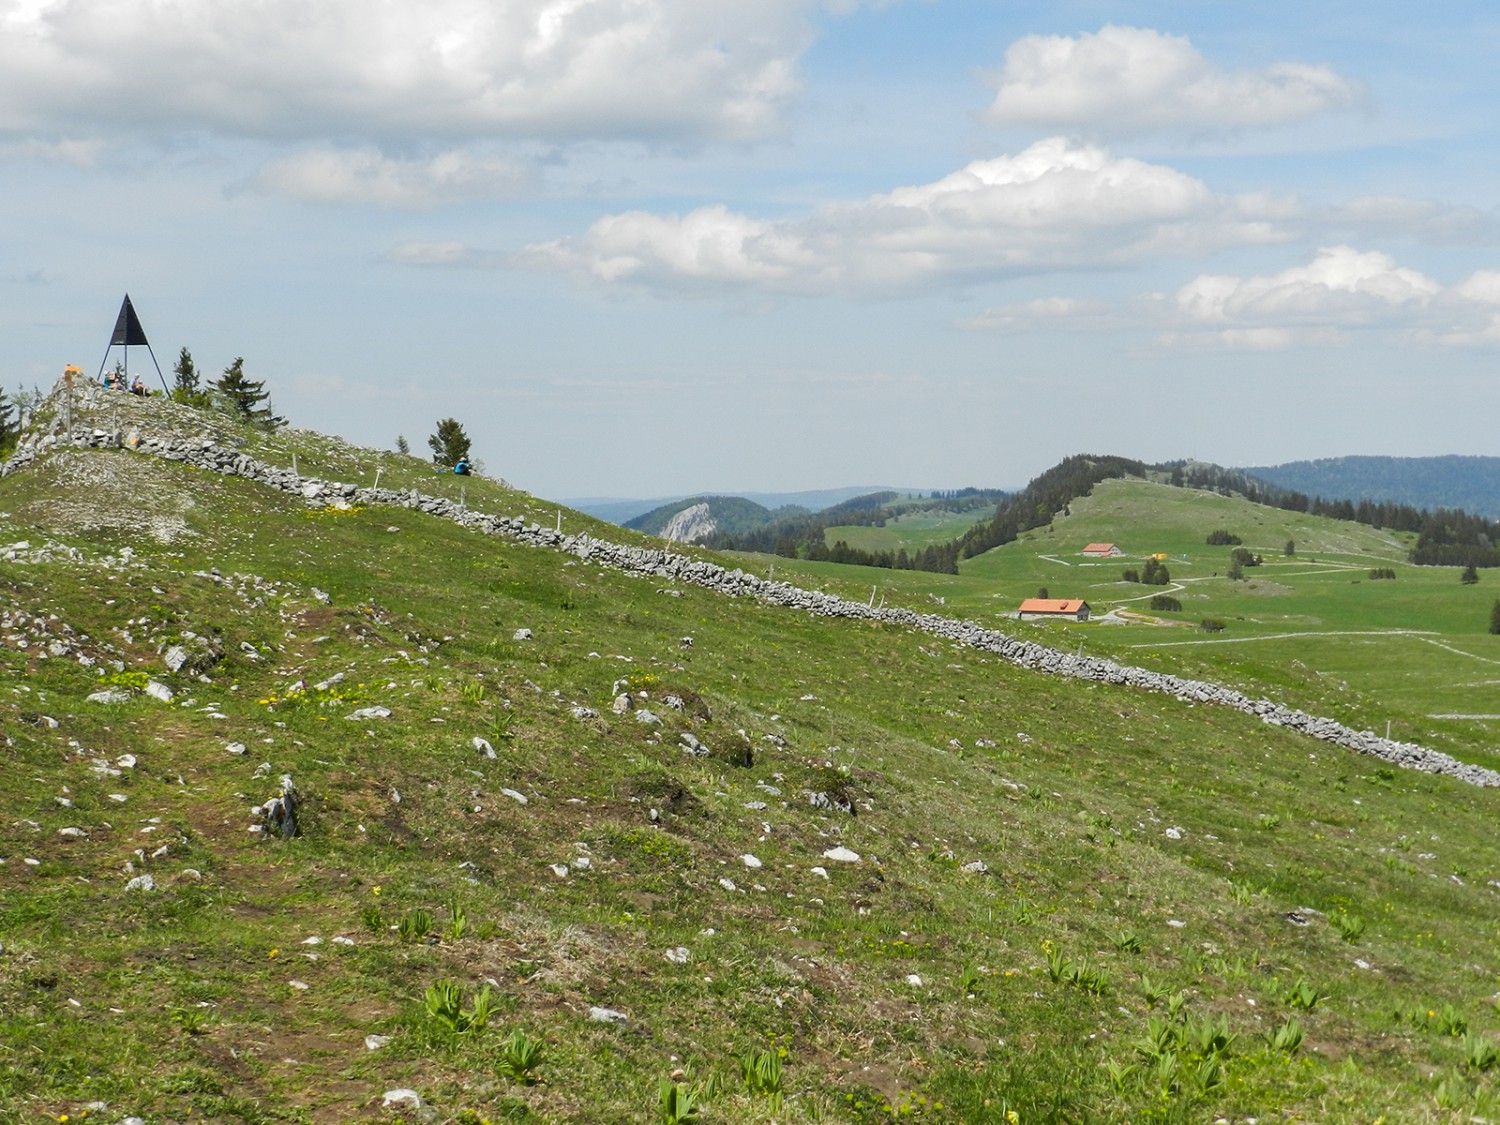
[(205, 453)]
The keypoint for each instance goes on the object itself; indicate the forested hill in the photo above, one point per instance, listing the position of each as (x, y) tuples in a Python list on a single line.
[(729, 514), (1471, 484)]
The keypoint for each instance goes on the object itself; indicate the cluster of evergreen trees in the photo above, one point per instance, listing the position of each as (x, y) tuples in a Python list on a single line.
[(243, 396)]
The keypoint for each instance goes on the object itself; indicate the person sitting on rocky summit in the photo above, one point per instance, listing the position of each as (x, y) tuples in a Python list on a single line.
[(138, 387), (462, 468)]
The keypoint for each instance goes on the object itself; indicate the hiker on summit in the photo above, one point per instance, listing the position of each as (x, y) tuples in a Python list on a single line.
[(138, 387), (462, 468)]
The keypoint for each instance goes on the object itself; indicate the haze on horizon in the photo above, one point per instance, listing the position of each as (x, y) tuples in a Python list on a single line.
[(666, 247)]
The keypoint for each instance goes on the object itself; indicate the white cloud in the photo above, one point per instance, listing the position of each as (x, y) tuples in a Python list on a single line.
[(394, 70), (366, 176), (1054, 206), (1129, 81), (1328, 302), (1340, 286), (1477, 296)]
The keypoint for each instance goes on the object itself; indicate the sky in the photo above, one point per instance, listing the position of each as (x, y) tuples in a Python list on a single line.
[(645, 248)]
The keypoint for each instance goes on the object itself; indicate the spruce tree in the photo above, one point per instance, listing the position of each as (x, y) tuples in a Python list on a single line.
[(246, 395), (186, 373), (450, 444), (1469, 576), (1495, 617), (9, 430)]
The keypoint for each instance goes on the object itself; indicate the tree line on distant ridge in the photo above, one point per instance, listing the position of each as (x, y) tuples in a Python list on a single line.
[(1445, 537)]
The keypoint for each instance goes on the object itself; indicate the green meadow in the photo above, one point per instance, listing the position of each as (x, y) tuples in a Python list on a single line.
[(794, 870), (1311, 628)]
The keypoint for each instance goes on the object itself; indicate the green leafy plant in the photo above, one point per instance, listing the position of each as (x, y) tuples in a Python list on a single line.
[(191, 1020), (458, 921), (1269, 821), (1210, 1035), (415, 925), (762, 1073), (1057, 964), (1303, 995), (1088, 976), (969, 980), (1119, 1074), (1349, 926), (1480, 1052), (444, 1005), (500, 724), (678, 1104), (520, 1058), (1153, 993), (1288, 1037), (1175, 1003), (472, 692), (1208, 1075), (1452, 1094), (1162, 1036), (1168, 1073), (1127, 942), (1447, 1020)]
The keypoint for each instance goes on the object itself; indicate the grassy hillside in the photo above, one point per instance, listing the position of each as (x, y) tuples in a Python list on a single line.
[(1312, 629), (1055, 901), (911, 532)]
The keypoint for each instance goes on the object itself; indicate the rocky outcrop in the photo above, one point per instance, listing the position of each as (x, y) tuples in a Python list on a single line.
[(205, 453), (689, 525)]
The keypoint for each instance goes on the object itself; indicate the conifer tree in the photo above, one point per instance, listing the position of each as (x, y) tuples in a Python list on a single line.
[(187, 385), (246, 395), (186, 374), (450, 444), (1495, 617), (1469, 576), (9, 430)]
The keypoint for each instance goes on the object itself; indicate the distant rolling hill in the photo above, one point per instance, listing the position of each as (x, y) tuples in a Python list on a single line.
[(1469, 483), (687, 521), (623, 511)]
